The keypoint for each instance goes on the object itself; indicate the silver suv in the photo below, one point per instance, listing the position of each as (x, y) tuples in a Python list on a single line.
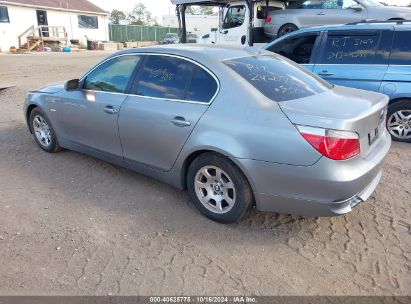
[(309, 13)]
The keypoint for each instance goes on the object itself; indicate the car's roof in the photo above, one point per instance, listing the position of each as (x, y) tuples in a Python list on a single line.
[(196, 51), (361, 26)]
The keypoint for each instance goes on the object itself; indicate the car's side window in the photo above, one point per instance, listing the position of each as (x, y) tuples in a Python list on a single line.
[(235, 17), (175, 78), (202, 86), (347, 4), (309, 4), (401, 49), (346, 48), (332, 4), (164, 77), (112, 75), (298, 48)]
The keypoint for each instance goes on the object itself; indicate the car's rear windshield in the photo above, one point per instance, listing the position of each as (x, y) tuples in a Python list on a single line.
[(171, 35), (277, 78)]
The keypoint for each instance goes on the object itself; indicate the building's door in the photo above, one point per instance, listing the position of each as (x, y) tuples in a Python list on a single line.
[(42, 21)]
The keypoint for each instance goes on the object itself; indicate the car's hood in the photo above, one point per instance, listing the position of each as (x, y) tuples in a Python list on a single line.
[(51, 89)]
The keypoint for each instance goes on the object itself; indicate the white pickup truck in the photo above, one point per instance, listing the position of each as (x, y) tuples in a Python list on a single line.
[(241, 21)]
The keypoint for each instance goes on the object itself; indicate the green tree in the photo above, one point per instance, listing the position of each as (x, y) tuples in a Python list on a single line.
[(116, 16), (140, 15), (190, 10), (206, 10), (199, 10)]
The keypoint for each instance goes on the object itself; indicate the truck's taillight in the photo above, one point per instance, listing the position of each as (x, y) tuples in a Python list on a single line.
[(268, 19), (337, 145)]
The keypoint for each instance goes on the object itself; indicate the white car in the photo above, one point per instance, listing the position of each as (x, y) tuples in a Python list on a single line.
[(309, 13)]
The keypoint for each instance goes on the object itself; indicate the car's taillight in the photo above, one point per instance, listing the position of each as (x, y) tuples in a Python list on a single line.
[(268, 19), (337, 145)]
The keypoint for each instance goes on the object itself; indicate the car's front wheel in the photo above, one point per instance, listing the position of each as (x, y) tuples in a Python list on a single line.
[(218, 188), (399, 121), (43, 132)]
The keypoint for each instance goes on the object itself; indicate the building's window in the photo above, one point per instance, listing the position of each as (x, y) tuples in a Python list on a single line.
[(90, 22), (4, 14)]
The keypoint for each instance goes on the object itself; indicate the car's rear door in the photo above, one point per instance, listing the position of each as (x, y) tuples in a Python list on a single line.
[(168, 98), (354, 58), (90, 113)]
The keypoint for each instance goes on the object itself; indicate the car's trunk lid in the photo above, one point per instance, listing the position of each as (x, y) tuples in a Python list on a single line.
[(344, 109)]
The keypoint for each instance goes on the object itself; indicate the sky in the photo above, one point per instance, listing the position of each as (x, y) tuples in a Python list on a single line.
[(159, 8)]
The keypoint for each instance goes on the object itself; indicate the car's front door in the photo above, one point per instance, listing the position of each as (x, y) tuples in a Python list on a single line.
[(90, 113), (168, 98), (235, 25), (341, 12), (300, 48), (354, 58)]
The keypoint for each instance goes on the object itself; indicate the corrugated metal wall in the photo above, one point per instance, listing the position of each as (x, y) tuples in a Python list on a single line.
[(123, 33)]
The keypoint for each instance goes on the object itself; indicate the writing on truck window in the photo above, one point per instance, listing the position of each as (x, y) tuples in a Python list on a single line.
[(350, 49)]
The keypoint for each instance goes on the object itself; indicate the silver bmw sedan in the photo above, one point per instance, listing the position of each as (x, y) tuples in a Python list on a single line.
[(236, 127)]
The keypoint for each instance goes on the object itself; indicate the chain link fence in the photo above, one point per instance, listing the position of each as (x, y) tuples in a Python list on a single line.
[(124, 33)]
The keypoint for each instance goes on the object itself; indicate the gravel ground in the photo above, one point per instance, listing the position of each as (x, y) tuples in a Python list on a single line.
[(71, 224)]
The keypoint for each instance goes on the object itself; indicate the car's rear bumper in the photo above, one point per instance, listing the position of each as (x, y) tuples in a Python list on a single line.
[(316, 208), (324, 189)]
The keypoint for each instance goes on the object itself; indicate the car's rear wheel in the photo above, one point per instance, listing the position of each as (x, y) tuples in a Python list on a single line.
[(287, 28), (218, 188), (399, 121), (43, 132)]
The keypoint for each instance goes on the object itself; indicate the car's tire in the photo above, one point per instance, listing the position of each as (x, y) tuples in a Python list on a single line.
[(399, 120), (224, 194), (43, 131), (287, 28)]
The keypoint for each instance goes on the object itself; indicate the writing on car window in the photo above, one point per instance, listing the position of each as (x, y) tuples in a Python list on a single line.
[(276, 78), (346, 49)]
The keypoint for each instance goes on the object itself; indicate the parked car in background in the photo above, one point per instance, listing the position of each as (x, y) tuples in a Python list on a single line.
[(233, 126), (309, 13), (192, 38), (171, 38), (369, 56)]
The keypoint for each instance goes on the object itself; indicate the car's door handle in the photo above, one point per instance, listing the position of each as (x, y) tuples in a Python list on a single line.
[(325, 73), (110, 110), (180, 122), (321, 14)]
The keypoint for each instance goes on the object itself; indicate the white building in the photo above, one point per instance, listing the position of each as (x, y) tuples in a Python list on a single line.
[(74, 19), (196, 24)]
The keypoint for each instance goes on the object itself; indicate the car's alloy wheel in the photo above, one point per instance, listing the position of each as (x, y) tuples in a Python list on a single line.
[(399, 120), (399, 124), (41, 130), (215, 189), (218, 188), (287, 28)]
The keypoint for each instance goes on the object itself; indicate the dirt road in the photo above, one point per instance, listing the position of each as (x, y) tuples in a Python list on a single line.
[(70, 224)]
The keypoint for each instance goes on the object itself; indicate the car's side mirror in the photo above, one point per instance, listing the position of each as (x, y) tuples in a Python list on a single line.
[(72, 85), (356, 7)]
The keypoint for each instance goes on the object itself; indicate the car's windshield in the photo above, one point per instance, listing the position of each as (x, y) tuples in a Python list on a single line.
[(370, 3), (171, 36), (277, 78)]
